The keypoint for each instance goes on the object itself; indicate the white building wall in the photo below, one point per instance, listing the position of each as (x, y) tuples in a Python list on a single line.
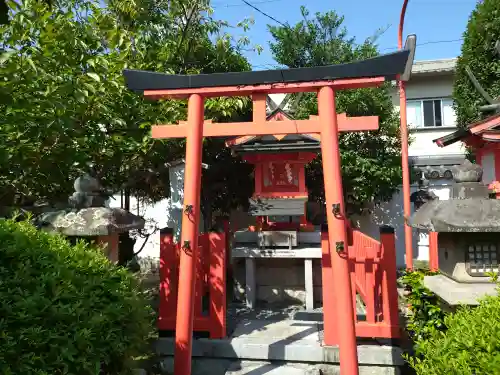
[(158, 215), (391, 213)]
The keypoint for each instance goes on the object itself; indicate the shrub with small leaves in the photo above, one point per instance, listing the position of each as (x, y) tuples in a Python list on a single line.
[(66, 309), (426, 316), (470, 345)]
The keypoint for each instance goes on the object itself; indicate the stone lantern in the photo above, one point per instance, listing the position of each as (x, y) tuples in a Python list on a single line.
[(87, 217), (468, 227)]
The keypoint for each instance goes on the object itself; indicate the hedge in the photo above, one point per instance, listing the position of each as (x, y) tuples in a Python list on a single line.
[(469, 346), (66, 309)]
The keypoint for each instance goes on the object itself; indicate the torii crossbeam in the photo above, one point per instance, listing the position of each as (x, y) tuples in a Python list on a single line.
[(325, 81)]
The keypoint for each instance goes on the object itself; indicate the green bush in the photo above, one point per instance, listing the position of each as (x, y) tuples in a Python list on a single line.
[(470, 345), (478, 52), (426, 316), (66, 309)]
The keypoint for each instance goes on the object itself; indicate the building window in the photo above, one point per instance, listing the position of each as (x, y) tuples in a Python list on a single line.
[(430, 113), (481, 259)]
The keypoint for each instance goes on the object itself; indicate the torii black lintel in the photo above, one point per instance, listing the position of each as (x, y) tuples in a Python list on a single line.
[(389, 66)]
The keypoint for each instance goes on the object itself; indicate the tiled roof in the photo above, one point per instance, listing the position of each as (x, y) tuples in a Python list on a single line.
[(434, 66)]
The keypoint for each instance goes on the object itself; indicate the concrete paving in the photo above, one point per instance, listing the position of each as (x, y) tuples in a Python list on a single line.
[(271, 341), (267, 368), (283, 340), (455, 294), (211, 366)]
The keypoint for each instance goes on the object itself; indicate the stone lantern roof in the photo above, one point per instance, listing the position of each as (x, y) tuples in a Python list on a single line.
[(469, 209), (87, 214)]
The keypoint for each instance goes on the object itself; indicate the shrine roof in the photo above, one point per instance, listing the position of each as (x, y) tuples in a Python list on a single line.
[(269, 143), (277, 142), (486, 129), (390, 66)]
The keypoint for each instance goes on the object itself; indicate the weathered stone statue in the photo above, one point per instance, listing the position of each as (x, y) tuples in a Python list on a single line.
[(88, 193)]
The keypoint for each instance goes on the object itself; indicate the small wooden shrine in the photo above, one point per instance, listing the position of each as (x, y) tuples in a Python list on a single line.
[(279, 204)]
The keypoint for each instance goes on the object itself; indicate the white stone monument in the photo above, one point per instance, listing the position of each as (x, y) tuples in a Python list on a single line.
[(176, 174)]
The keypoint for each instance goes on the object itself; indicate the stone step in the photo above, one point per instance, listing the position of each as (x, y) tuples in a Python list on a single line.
[(211, 366), (268, 368), (273, 368)]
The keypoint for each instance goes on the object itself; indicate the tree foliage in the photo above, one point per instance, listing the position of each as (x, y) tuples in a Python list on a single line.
[(479, 54), (63, 103), (371, 161)]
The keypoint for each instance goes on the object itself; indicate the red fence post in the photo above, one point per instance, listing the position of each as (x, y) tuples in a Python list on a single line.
[(433, 251), (390, 307), (329, 313), (217, 285), (168, 279)]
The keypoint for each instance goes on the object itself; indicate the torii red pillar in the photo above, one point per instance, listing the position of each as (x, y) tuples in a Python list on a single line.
[(337, 230), (189, 236)]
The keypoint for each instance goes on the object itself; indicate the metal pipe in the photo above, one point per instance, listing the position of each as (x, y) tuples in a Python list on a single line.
[(404, 152)]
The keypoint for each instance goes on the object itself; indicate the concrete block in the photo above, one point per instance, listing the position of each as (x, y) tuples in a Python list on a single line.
[(250, 282), (253, 368), (289, 273), (269, 294), (324, 369), (455, 294), (199, 366), (308, 279), (282, 330), (279, 294), (283, 344), (283, 368)]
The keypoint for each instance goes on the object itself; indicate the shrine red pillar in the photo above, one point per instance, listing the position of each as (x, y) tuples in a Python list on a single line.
[(337, 232), (189, 237)]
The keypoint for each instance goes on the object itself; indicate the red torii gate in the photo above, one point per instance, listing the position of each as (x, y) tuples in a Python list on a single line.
[(325, 81)]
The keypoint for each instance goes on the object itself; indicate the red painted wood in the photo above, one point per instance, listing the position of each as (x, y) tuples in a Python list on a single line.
[(389, 281), (329, 312), (337, 232), (496, 155), (217, 284), (189, 235), (367, 123), (372, 266), (279, 88), (210, 280), (433, 251), (169, 274)]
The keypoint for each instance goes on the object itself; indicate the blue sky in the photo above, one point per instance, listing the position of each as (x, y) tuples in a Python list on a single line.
[(439, 24)]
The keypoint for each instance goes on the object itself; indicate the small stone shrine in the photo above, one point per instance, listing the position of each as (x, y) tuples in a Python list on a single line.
[(468, 227), (88, 218)]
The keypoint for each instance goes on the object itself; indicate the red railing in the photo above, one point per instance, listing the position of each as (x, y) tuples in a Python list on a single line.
[(373, 277), (210, 283), (433, 252)]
